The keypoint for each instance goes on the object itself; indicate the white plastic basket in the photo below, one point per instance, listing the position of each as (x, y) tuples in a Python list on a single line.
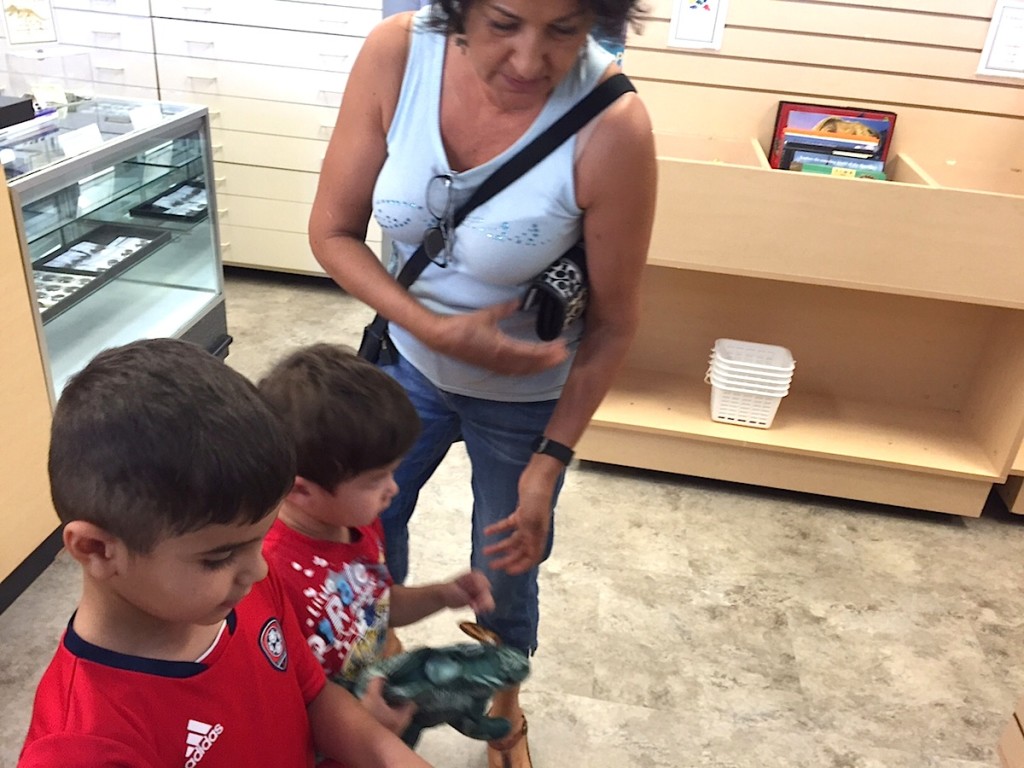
[(750, 354), (780, 390), (748, 381), (744, 408), (738, 369), (742, 380)]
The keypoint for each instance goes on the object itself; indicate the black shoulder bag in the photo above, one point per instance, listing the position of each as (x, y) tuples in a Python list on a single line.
[(376, 346)]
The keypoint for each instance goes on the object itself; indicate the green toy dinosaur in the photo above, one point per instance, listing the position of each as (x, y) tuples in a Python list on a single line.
[(450, 684)]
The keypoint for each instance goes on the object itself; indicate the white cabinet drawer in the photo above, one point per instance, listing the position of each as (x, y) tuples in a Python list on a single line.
[(279, 215), (376, 5), (274, 14), (126, 7), (259, 212), (104, 30), (100, 66), (119, 90), (267, 249), (303, 121), (271, 249), (268, 151), (270, 183), (224, 42), (256, 81), (123, 68)]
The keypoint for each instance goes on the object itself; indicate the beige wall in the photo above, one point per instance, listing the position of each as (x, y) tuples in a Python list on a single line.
[(914, 57)]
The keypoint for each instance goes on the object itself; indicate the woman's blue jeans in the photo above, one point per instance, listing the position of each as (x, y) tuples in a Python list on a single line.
[(499, 438)]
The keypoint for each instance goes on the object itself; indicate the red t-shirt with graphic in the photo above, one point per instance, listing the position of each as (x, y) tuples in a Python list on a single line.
[(244, 704), (341, 593)]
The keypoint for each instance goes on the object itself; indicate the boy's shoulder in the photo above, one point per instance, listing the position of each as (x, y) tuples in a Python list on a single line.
[(152, 712), (284, 544)]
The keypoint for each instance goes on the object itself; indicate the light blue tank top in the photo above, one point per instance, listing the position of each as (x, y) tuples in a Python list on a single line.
[(502, 244)]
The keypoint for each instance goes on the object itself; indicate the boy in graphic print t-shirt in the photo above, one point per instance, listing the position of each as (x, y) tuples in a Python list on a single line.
[(351, 423)]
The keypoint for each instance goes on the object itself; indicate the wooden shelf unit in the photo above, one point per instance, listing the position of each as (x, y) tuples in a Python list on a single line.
[(900, 301)]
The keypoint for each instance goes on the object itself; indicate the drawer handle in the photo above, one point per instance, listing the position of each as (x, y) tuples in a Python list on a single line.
[(213, 112), (340, 56), (222, 211), (220, 179), (207, 78), (99, 34), (104, 68), (335, 21), (225, 245), (204, 43), (200, 8)]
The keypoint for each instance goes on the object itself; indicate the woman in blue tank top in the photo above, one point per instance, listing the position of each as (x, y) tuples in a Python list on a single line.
[(435, 102)]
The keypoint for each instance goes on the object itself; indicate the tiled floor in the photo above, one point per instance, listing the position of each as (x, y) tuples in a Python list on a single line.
[(687, 622)]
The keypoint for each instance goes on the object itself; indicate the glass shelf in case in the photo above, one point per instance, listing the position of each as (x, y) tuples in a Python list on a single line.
[(118, 236)]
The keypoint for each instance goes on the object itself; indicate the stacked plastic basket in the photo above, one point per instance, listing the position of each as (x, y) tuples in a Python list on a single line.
[(748, 381)]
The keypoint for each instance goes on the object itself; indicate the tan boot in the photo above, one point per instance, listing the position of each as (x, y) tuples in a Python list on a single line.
[(513, 751)]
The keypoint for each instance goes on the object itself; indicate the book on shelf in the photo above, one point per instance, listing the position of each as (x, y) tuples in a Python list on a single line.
[(838, 160), (831, 140), (833, 170)]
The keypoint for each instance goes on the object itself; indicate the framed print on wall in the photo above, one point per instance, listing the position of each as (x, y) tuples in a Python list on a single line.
[(29, 21)]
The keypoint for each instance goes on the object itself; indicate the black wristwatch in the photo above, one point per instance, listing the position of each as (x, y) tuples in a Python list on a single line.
[(552, 448)]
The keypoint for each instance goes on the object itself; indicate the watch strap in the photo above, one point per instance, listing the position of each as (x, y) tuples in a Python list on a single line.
[(549, 447)]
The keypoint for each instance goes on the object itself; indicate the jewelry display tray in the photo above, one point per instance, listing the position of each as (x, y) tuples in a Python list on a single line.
[(151, 208), (102, 236)]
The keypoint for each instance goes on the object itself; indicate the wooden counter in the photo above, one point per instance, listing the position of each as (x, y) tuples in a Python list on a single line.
[(27, 514)]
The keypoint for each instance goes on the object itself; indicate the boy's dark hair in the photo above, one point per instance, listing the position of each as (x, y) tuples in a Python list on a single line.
[(345, 415), (610, 16), (159, 438)]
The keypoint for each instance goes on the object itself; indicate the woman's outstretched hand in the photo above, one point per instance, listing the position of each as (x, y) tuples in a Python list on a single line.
[(476, 338), (526, 535)]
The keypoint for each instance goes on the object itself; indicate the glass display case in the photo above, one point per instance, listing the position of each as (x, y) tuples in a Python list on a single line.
[(115, 218)]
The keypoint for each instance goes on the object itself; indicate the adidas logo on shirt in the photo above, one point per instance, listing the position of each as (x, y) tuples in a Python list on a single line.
[(200, 737)]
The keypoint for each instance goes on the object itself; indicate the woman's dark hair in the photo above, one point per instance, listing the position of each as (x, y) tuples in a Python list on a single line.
[(610, 16), (159, 438), (344, 414)]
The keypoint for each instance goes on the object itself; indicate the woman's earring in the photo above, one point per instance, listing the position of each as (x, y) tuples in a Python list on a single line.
[(461, 43)]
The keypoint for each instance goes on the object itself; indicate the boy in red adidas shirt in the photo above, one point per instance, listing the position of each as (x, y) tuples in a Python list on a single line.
[(166, 469), (351, 424)]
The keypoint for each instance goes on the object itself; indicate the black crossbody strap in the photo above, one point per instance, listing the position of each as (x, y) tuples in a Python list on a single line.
[(585, 110), (581, 113)]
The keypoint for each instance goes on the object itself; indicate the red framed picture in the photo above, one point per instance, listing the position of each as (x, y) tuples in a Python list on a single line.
[(806, 131)]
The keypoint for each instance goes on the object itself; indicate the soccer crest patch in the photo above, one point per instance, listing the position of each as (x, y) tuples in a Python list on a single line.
[(272, 644)]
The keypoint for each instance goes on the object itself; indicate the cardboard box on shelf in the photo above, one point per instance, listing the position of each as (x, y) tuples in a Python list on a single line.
[(1011, 743)]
